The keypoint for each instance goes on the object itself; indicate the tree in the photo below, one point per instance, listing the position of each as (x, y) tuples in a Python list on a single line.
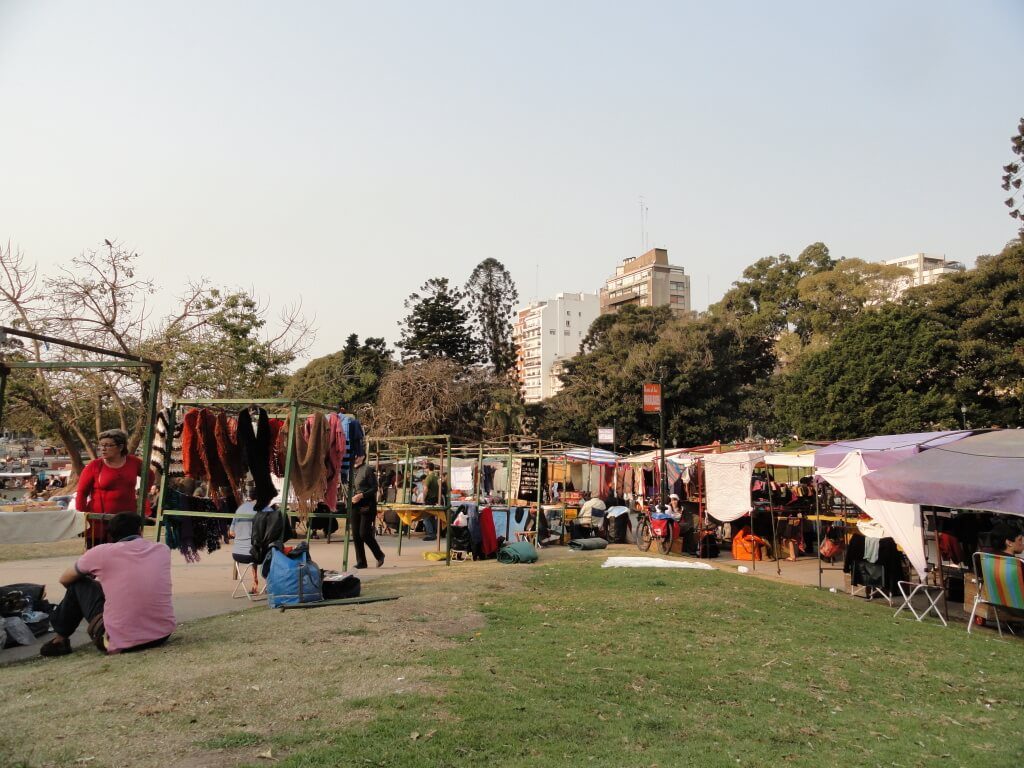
[(492, 297), (832, 298), (889, 371), (211, 347), (436, 324), (1012, 178), (351, 377)]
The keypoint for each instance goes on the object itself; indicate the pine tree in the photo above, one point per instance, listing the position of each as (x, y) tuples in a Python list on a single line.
[(436, 325), (493, 296)]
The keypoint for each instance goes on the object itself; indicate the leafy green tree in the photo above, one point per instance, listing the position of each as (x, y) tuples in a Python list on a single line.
[(492, 298), (890, 371), (436, 325), (832, 298), (351, 376)]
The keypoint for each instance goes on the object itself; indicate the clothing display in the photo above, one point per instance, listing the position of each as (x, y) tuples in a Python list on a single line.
[(255, 440), (888, 559)]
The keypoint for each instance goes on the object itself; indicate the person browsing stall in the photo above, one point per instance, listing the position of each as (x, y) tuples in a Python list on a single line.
[(107, 485), (121, 590)]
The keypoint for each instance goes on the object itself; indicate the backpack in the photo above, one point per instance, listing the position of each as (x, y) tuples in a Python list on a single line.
[(292, 577), (268, 531)]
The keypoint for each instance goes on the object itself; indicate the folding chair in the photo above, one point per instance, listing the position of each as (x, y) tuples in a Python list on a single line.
[(1000, 585), (242, 572), (911, 589)]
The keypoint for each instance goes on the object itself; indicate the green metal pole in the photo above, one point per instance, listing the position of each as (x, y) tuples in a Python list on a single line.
[(3, 394), (147, 438), (445, 503)]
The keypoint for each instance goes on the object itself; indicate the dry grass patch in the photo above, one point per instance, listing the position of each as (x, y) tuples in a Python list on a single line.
[(226, 689)]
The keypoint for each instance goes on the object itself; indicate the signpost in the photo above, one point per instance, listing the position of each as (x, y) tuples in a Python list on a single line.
[(652, 404), (606, 435)]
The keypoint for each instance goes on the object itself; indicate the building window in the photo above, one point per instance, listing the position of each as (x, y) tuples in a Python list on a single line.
[(567, 323), (567, 333), (552, 332)]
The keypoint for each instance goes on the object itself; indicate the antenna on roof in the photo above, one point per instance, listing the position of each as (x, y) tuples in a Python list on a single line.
[(643, 226)]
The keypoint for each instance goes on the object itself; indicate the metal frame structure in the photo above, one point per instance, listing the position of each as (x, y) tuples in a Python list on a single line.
[(123, 361), (293, 414)]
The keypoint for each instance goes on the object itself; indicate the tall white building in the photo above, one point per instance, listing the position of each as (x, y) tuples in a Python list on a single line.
[(546, 334), (925, 268)]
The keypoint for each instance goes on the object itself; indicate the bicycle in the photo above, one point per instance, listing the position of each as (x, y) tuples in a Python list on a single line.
[(651, 529)]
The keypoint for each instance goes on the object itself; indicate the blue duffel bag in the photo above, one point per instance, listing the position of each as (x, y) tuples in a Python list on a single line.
[(292, 578)]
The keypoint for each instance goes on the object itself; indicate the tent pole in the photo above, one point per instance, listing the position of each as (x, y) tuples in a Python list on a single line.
[(938, 551), (775, 537), (817, 527)]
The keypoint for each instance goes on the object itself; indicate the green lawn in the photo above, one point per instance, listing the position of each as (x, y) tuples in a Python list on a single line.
[(561, 663), (591, 666)]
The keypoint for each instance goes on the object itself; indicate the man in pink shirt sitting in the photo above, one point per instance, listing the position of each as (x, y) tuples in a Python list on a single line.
[(122, 590)]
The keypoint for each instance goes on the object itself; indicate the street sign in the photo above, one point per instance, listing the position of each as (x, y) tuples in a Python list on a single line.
[(652, 398), (606, 435)]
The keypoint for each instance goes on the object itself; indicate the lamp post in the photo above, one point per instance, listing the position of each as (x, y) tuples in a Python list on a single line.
[(963, 415)]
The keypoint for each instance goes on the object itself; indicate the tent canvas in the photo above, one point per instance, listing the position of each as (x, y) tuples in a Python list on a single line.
[(982, 472), (883, 450), (727, 483), (901, 521), (592, 456), (790, 459)]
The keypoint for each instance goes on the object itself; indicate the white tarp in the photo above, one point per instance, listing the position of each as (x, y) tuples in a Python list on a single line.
[(797, 459), (727, 483), (900, 521), (38, 526), (653, 562), (462, 479)]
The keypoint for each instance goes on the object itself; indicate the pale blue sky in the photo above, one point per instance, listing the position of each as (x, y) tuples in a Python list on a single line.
[(345, 152)]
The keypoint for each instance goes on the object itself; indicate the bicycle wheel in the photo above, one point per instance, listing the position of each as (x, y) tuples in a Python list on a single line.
[(643, 535), (665, 542)]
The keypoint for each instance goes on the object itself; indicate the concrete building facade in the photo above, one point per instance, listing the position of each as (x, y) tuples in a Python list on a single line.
[(647, 281), (546, 334), (925, 268)]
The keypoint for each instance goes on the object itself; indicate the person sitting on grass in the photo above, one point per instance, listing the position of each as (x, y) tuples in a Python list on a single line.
[(122, 590)]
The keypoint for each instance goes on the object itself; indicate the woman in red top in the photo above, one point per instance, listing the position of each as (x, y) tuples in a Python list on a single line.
[(107, 485)]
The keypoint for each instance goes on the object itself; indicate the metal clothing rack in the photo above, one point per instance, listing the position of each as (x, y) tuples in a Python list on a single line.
[(293, 410)]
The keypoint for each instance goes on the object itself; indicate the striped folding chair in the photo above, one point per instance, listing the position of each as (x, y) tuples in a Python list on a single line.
[(1000, 585)]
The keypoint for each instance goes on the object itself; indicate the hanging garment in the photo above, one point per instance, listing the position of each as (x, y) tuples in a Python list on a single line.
[(255, 443), (728, 485), (229, 453), (489, 539), (191, 452), (158, 451), (355, 444), (309, 463), (336, 448), (278, 446)]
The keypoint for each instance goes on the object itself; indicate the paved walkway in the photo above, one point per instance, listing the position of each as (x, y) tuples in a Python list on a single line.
[(204, 589)]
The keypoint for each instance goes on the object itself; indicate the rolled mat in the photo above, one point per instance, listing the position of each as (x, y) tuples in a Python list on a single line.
[(587, 544), (519, 552)]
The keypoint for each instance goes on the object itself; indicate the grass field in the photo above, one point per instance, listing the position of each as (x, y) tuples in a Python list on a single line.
[(545, 665)]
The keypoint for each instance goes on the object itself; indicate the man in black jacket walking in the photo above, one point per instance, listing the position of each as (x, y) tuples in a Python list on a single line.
[(364, 512)]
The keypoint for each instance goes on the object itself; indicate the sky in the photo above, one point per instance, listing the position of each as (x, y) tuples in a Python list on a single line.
[(342, 153)]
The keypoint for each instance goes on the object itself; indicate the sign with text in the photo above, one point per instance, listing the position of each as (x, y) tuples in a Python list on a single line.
[(524, 479), (606, 435), (652, 398)]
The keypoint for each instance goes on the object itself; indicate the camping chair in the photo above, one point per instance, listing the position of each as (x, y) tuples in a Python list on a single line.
[(242, 573), (1000, 585)]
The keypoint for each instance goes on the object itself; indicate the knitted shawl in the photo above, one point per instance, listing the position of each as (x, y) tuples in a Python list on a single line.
[(309, 463)]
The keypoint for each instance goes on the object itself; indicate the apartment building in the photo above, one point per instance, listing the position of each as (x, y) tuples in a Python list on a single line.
[(647, 281), (925, 268), (546, 334)]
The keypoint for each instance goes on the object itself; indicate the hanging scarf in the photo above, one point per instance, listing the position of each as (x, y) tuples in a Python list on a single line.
[(255, 444), (309, 463), (278, 439), (191, 453), (229, 454)]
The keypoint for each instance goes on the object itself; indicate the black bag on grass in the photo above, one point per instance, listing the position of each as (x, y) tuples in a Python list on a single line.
[(337, 586)]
